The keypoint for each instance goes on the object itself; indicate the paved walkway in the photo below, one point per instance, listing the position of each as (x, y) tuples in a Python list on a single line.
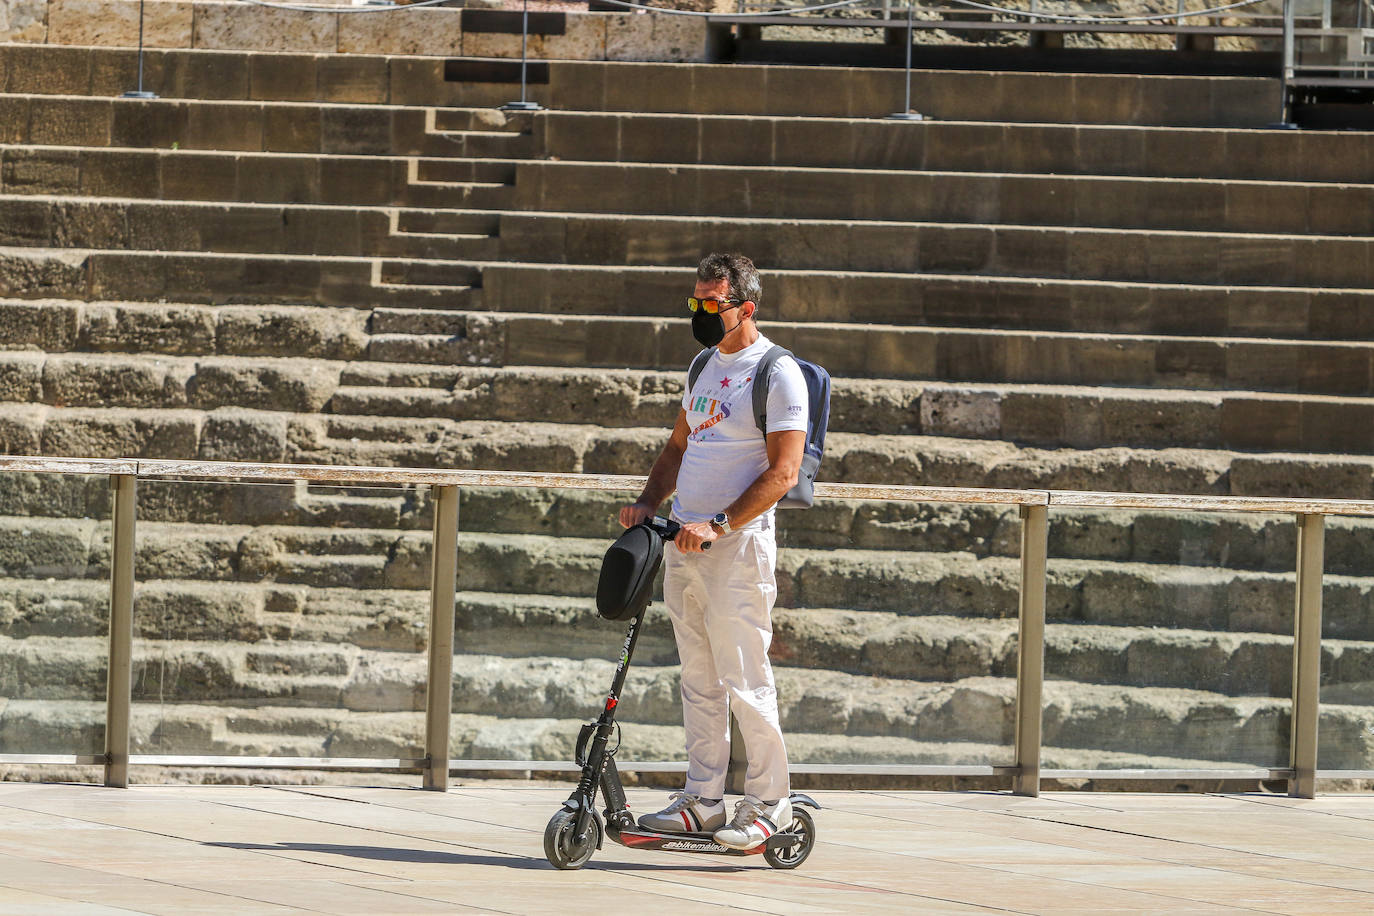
[(189, 850)]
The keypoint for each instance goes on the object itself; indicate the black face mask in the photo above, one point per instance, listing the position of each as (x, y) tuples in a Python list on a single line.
[(709, 330)]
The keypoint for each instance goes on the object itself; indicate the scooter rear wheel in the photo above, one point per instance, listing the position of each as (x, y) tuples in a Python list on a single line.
[(804, 827), (560, 840)]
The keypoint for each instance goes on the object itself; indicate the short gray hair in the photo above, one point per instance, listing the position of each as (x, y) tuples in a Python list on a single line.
[(739, 270)]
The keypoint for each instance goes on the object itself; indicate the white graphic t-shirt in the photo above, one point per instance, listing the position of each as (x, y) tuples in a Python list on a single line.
[(725, 448)]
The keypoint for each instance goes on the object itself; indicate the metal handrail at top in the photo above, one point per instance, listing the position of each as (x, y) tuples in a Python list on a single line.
[(355, 474)]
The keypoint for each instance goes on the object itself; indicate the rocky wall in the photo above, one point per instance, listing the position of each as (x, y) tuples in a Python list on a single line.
[(434, 31)]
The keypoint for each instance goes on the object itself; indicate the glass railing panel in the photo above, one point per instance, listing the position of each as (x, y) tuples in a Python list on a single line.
[(281, 619), (54, 612), (532, 659), (894, 633), (1169, 640), (1345, 736)]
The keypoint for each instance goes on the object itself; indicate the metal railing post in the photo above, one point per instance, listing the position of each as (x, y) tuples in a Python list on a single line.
[(1030, 648), (1307, 657), (439, 686), (1289, 65), (118, 697)]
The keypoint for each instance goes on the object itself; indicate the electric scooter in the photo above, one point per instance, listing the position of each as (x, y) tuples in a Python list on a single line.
[(576, 832)]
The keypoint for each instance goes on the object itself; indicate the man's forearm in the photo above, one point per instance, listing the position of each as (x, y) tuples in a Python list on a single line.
[(770, 486)]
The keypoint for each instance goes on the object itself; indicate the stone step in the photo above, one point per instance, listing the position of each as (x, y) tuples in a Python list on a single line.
[(127, 224), (1031, 413), (1109, 202), (291, 178), (961, 300), (328, 634), (1256, 358), (1243, 541), (464, 222), (1148, 721), (869, 93), (76, 273), (959, 143), (221, 731), (1064, 252), (888, 581), (245, 126), (807, 296), (297, 331), (274, 436), (992, 249)]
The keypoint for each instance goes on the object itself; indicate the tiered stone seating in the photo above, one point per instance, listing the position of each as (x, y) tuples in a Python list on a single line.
[(1069, 281)]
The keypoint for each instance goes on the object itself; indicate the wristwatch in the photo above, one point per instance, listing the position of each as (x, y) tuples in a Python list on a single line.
[(721, 521)]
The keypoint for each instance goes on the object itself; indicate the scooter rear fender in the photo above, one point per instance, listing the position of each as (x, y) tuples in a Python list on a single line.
[(799, 798)]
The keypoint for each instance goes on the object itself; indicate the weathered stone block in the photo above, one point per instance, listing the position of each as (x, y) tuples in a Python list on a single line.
[(166, 23), (962, 414), (230, 26), (74, 381), (21, 377), (295, 386), (24, 20), (241, 435), (654, 37), (30, 171), (223, 127), (434, 31), (59, 274), (115, 433)]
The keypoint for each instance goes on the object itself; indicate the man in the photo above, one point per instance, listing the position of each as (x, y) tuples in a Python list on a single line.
[(728, 475)]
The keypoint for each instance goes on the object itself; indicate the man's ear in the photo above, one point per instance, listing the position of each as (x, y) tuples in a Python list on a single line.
[(748, 307)]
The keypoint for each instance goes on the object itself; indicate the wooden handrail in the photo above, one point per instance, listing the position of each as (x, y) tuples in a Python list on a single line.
[(350, 474)]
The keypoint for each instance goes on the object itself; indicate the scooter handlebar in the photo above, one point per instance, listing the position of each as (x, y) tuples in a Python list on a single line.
[(668, 529)]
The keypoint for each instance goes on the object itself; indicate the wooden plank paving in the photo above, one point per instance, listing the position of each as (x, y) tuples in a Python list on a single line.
[(477, 849)]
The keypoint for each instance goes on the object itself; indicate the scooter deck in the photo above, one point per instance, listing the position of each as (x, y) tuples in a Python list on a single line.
[(679, 842), (693, 842)]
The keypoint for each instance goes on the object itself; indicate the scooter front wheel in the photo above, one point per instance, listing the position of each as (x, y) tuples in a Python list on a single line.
[(804, 828), (561, 845)]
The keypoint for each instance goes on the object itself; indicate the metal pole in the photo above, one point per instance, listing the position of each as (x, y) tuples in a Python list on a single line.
[(439, 687), (906, 114), (1030, 649), (524, 104), (1307, 657), (117, 686), (1289, 63), (139, 93)]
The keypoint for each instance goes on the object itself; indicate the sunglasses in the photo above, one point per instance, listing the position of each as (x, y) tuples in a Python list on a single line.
[(711, 306)]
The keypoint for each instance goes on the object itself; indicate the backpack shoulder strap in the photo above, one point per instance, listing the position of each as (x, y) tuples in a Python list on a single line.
[(698, 366), (764, 373)]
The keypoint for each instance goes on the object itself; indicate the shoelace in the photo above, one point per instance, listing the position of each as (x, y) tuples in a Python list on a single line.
[(746, 812), (680, 801)]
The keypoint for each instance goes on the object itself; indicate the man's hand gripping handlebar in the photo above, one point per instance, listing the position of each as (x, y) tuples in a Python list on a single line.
[(694, 537)]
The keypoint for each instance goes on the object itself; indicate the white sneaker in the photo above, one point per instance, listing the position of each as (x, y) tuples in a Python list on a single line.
[(685, 814), (755, 822)]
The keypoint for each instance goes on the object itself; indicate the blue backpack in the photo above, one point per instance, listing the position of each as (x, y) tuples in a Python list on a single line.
[(802, 495)]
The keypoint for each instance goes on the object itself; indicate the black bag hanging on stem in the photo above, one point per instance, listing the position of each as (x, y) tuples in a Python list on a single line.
[(627, 573)]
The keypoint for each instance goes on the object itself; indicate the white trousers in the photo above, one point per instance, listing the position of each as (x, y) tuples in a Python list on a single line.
[(721, 604)]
